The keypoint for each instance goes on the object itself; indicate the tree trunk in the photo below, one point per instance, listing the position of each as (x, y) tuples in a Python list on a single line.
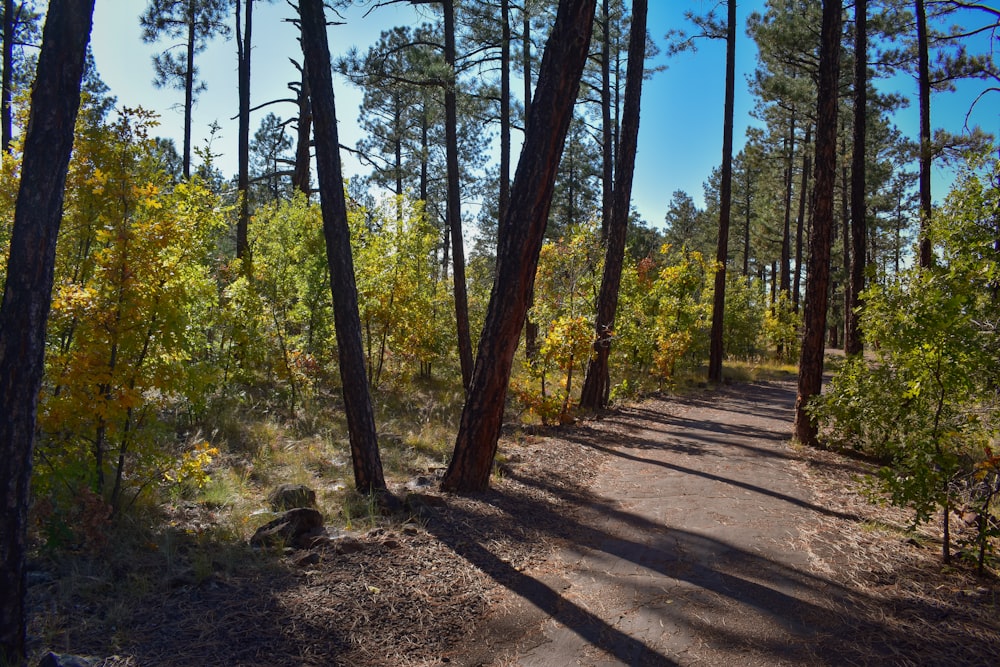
[(454, 207), (786, 230), (859, 231), (607, 152), (301, 177), (818, 277), (530, 328), (243, 44), (189, 89), (716, 346), (28, 292), (517, 254), (924, 93), (6, 112), (800, 222), (845, 233), (597, 384), (357, 400), (504, 196), (748, 203)]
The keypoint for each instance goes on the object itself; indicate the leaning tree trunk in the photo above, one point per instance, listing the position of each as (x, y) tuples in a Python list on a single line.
[(716, 346), (597, 385), (820, 240), (357, 400), (517, 253), (859, 231), (28, 292)]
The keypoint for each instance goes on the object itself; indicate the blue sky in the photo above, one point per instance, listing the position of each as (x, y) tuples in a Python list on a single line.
[(680, 132)]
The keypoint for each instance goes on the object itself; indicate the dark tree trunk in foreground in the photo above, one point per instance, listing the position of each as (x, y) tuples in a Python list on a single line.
[(716, 347), (517, 253), (28, 292), (859, 228), (597, 385), (357, 400), (924, 94), (820, 240)]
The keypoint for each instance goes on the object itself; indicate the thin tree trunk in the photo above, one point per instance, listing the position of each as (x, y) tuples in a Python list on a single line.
[(368, 475), (6, 112), (189, 90), (28, 293), (454, 207), (504, 197), (748, 201), (845, 234), (530, 328), (526, 61), (800, 222), (818, 278), (607, 152), (301, 177), (924, 93), (517, 255), (716, 346), (243, 43), (786, 233), (859, 227), (597, 383)]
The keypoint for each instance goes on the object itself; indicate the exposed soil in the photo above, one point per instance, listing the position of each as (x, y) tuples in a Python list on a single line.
[(678, 531)]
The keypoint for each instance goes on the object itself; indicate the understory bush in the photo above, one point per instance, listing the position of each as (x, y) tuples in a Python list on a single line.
[(925, 401)]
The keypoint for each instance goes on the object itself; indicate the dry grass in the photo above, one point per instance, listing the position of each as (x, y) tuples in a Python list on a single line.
[(176, 584)]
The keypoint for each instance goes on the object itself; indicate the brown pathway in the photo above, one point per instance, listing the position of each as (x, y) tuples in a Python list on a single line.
[(691, 549)]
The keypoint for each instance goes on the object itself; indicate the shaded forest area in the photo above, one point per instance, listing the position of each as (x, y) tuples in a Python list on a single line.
[(175, 340)]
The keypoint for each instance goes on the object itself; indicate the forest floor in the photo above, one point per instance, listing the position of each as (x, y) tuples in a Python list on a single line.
[(678, 531)]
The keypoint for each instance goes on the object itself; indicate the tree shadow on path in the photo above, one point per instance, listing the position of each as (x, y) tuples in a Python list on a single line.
[(641, 591)]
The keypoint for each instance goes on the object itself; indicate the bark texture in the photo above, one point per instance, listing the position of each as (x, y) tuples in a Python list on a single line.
[(859, 227), (597, 385), (924, 93), (820, 240), (243, 47), (6, 112), (365, 457), (28, 292), (716, 344), (517, 254), (454, 207)]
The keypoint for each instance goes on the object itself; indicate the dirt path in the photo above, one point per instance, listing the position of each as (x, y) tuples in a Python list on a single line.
[(702, 544), (682, 531)]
